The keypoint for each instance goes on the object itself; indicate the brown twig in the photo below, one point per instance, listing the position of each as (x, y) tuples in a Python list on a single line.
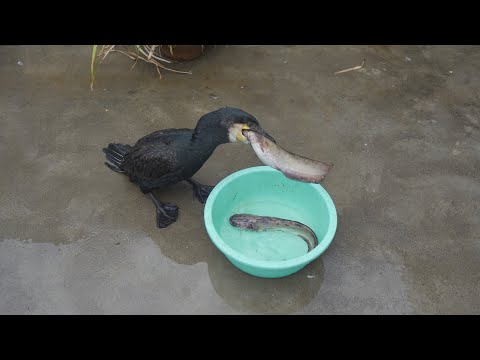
[(351, 69), (151, 51), (152, 61), (107, 51), (147, 56)]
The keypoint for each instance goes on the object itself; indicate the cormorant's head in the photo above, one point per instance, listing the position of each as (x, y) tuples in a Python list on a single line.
[(236, 120), (228, 124)]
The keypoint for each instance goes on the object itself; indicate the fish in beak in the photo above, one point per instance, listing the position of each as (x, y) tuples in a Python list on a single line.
[(240, 137)]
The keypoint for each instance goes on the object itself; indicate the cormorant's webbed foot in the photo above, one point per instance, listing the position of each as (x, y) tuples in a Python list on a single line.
[(200, 191), (167, 213)]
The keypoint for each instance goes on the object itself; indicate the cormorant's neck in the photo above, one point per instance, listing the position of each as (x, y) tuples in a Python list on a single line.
[(205, 143), (209, 138)]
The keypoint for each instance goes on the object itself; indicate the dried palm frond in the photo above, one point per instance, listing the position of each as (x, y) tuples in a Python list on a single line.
[(147, 53)]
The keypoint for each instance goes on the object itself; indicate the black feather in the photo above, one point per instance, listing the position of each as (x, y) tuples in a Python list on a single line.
[(168, 156), (114, 168), (115, 154)]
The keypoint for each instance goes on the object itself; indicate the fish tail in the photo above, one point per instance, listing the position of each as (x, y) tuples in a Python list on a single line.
[(310, 243)]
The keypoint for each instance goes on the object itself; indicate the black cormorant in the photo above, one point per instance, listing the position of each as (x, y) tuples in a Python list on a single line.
[(166, 157)]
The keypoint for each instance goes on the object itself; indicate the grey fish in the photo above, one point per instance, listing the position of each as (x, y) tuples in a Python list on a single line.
[(293, 166), (265, 223)]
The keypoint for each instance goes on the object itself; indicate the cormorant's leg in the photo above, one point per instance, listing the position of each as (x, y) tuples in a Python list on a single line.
[(200, 191), (167, 213)]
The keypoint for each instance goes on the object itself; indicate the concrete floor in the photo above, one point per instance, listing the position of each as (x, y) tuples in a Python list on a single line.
[(403, 132)]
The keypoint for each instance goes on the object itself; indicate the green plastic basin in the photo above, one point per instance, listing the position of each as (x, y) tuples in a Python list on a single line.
[(265, 191)]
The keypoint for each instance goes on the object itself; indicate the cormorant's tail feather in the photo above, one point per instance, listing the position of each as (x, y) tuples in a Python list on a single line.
[(114, 168), (115, 154)]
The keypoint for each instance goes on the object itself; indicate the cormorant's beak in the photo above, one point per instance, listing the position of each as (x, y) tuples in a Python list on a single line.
[(256, 128)]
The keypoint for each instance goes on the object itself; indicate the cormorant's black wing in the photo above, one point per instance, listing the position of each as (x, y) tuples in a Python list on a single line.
[(151, 160), (165, 136)]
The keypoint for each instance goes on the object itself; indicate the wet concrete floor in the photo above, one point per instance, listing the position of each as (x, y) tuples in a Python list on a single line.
[(403, 132)]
